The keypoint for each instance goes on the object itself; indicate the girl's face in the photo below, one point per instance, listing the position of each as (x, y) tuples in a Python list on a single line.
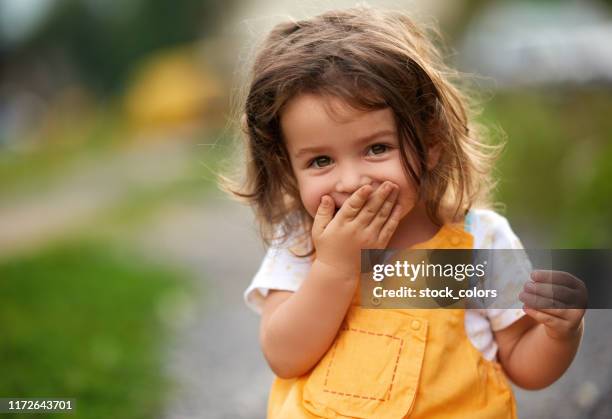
[(336, 154)]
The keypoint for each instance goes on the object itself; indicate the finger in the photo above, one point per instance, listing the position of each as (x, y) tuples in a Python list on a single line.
[(324, 215), (553, 291), (390, 226), (384, 212), (375, 203), (539, 302), (556, 312), (566, 287), (354, 203), (563, 313), (556, 277)]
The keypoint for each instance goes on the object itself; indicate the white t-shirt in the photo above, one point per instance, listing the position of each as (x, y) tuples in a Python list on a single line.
[(281, 270)]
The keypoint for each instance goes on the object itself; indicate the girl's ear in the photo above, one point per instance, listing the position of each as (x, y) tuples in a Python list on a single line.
[(244, 126), (434, 156)]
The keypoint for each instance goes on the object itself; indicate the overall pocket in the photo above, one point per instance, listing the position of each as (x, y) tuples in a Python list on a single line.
[(372, 369)]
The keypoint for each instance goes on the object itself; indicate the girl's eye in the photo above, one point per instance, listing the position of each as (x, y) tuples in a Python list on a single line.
[(379, 148), (320, 161)]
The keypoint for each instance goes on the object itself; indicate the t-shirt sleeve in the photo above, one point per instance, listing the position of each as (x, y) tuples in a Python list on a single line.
[(510, 270), (279, 270)]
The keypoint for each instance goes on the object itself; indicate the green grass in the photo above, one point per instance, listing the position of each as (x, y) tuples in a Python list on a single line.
[(83, 321)]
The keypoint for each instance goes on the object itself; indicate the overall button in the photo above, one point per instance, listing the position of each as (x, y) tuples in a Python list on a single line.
[(375, 301), (416, 325), (455, 240)]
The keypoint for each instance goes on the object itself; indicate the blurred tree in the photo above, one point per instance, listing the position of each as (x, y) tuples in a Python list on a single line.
[(103, 39)]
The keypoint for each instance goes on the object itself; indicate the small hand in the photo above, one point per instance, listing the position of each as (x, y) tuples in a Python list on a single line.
[(557, 300), (363, 222)]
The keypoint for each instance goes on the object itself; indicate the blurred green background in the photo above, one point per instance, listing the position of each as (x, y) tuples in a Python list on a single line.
[(114, 117)]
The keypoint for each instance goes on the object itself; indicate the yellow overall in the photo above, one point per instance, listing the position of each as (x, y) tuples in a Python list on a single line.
[(392, 364)]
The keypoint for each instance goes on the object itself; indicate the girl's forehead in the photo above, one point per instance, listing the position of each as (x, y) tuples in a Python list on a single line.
[(309, 117), (335, 108)]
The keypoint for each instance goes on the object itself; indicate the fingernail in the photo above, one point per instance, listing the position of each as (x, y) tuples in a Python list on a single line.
[(530, 286)]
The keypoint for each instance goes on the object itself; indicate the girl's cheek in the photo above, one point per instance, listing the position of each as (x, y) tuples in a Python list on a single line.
[(407, 201), (306, 196), (313, 207), (311, 196), (311, 201)]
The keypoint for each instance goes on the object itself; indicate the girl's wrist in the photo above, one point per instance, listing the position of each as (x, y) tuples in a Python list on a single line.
[(345, 271)]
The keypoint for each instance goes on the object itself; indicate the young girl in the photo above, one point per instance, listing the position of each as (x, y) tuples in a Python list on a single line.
[(357, 139)]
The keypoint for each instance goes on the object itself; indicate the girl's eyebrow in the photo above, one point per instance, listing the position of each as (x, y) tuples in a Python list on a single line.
[(365, 139)]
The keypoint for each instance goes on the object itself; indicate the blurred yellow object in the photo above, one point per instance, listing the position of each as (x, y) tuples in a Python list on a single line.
[(170, 89)]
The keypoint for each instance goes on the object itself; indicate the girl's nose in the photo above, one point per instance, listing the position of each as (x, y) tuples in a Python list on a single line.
[(351, 179)]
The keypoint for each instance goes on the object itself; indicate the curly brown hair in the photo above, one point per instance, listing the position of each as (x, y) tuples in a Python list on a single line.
[(372, 59)]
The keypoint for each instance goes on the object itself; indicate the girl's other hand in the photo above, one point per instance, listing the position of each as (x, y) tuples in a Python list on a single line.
[(556, 299), (361, 223)]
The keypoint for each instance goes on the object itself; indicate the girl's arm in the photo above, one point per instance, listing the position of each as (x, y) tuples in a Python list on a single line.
[(536, 350), (533, 359), (298, 328)]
